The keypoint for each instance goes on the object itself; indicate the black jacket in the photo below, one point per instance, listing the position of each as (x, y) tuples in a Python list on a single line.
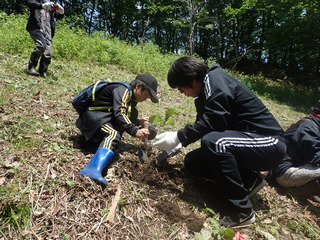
[(122, 115), (303, 144), (35, 17), (226, 104)]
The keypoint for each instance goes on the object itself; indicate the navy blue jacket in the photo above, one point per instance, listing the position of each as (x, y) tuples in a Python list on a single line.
[(303, 144)]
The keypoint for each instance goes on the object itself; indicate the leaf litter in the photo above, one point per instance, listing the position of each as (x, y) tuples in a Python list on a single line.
[(154, 203)]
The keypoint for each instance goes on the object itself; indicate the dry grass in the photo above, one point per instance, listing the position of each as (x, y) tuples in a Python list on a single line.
[(42, 195)]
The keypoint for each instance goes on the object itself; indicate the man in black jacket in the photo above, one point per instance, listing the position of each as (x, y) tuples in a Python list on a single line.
[(239, 136), (41, 29), (112, 113)]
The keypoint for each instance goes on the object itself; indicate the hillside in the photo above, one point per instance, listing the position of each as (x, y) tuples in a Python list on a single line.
[(42, 195)]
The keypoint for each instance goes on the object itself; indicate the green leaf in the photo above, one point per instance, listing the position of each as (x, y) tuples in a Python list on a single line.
[(26, 190), (155, 119), (170, 112), (229, 233), (69, 183), (170, 122)]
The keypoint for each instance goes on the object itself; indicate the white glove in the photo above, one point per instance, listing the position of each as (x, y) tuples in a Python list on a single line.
[(167, 141), (175, 149), (60, 9), (47, 5)]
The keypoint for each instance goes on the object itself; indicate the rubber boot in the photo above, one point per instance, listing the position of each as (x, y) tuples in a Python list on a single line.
[(96, 165), (43, 67), (33, 62)]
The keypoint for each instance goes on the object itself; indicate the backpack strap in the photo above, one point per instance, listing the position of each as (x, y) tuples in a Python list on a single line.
[(93, 93), (104, 108), (99, 108)]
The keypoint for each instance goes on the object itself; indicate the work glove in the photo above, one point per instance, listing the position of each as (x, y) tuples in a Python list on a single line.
[(167, 141), (59, 8), (47, 5)]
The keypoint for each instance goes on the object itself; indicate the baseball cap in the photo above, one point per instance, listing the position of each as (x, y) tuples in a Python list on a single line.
[(151, 83)]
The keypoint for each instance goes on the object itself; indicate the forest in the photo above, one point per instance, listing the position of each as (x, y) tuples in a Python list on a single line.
[(278, 39)]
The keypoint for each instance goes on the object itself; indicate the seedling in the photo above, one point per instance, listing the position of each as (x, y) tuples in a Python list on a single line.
[(167, 120)]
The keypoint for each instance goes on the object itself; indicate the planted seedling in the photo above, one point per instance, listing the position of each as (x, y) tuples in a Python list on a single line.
[(167, 119)]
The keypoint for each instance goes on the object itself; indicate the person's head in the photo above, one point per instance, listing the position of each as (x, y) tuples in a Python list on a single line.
[(316, 108), (187, 74), (144, 87)]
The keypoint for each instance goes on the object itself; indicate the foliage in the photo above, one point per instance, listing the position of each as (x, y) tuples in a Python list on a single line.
[(279, 39), (216, 231), (100, 48), (275, 34), (16, 216), (167, 120)]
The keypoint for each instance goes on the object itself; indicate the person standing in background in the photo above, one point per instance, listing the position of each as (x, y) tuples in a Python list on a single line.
[(41, 29)]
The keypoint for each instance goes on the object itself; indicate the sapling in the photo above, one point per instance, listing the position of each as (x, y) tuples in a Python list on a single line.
[(167, 119), (162, 159)]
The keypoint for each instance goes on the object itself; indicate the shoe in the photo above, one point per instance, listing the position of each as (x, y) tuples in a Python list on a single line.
[(44, 74), (230, 222), (33, 72), (257, 185)]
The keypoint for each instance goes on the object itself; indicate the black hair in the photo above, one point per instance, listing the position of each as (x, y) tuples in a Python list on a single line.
[(184, 70), (134, 83)]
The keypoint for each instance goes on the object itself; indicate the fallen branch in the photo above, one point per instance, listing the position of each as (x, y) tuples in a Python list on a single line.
[(113, 208)]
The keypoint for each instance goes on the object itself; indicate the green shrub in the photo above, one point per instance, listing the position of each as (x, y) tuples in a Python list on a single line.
[(74, 44)]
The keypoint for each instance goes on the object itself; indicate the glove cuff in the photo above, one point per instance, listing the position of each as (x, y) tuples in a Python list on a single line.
[(61, 10)]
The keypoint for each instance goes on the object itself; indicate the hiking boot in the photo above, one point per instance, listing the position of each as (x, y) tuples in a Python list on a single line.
[(33, 62), (33, 72), (256, 186), (44, 74), (43, 67), (228, 221)]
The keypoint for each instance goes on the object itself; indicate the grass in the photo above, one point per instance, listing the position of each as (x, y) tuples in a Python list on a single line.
[(40, 190)]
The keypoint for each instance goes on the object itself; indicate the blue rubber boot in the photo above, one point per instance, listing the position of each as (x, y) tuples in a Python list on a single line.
[(96, 165)]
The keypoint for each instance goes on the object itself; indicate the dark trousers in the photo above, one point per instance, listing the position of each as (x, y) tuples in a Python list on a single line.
[(43, 44), (230, 158), (43, 49), (108, 137)]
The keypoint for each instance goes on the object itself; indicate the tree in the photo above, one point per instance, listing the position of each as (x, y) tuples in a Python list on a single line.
[(13, 6)]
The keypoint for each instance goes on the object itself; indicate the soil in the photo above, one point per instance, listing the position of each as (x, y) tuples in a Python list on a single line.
[(155, 202)]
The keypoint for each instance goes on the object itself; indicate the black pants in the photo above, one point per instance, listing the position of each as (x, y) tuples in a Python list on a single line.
[(108, 136), (43, 45), (230, 157)]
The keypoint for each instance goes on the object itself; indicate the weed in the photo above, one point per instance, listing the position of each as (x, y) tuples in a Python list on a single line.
[(16, 215), (121, 205), (303, 226)]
